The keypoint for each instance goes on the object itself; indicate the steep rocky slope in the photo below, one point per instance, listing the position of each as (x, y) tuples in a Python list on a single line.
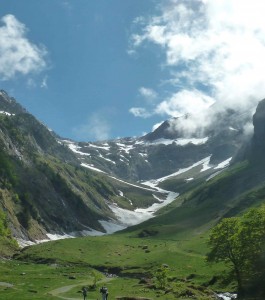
[(44, 189), (50, 185)]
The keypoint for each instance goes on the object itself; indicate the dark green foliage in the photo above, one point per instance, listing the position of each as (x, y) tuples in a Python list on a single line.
[(24, 217), (240, 242), (7, 244), (4, 230), (162, 276), (8, 175), (147, 233)]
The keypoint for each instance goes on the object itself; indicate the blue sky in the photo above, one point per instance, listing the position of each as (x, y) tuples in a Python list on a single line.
[(102, 69)]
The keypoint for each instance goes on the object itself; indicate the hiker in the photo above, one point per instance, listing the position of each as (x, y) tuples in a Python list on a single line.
[(84, 292), (104, 292)]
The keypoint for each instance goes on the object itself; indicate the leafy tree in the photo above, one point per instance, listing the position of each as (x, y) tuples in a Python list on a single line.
[(161, 276), (239, 242), (96, 277)]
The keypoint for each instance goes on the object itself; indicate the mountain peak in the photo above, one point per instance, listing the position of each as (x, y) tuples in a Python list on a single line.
[(9, 104)]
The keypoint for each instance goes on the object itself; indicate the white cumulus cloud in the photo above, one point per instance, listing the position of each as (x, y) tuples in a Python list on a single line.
[(148, 94), (214, 50), (140, 112), (17, 53), (184, 101)]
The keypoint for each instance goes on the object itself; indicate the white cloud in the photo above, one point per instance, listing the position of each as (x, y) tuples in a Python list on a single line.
[(214, 50), (149, 94), (17, 53), (95, 128), (140, 112), (149, 97), (248, 129), (183, 102)]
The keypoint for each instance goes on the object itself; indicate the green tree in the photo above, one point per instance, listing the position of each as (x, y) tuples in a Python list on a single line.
[(96, 277), (161, 277), (239, 242)]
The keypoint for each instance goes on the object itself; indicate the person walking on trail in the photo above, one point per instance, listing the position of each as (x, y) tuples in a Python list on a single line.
[(104, 293), (84, 292)]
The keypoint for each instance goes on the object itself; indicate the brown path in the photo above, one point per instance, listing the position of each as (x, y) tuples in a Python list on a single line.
[(64, 289)]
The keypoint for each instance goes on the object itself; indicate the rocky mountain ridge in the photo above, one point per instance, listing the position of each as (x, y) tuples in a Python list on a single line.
[(50, 185), (166, 150), (44, 190)]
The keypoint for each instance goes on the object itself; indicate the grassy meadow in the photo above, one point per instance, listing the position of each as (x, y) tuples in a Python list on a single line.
[(60, 269), (176, 238)]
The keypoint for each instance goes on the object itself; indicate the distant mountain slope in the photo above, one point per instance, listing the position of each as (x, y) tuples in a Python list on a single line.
[(50, 185), (167, 150), (229, 193), (44, 189)]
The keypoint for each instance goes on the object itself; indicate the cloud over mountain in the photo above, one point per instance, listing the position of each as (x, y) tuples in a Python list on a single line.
[(96, 127), (214, 51)]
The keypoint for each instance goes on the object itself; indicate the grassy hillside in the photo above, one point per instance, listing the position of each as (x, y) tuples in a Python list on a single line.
[(176, 237), (227, 194), (131, 259)]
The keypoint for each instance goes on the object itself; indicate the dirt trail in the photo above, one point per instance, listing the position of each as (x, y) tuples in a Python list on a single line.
[(6, 284), (64, 289)]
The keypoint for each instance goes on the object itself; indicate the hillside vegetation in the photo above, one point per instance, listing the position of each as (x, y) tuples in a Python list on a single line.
[(177, 238), (44, 189)]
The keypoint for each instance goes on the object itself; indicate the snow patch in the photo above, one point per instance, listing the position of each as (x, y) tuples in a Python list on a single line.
[(6, 113), (107, 159), (183, 142), (54, 237), (206, 165), (74, 148), (129, 218), (162, 141), (123, 157), (125, 148), (233, 129), (131, 184), (143, 154), (227, 296), (92, 168), (105, 147), (180, 142), (189, 179), (24, 243), (223, 164), (139, 142), (155, 182)]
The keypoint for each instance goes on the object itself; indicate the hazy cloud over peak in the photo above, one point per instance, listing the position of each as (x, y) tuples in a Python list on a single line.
[(17, 53), (183, 101), (214, 50), (96, 127)]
